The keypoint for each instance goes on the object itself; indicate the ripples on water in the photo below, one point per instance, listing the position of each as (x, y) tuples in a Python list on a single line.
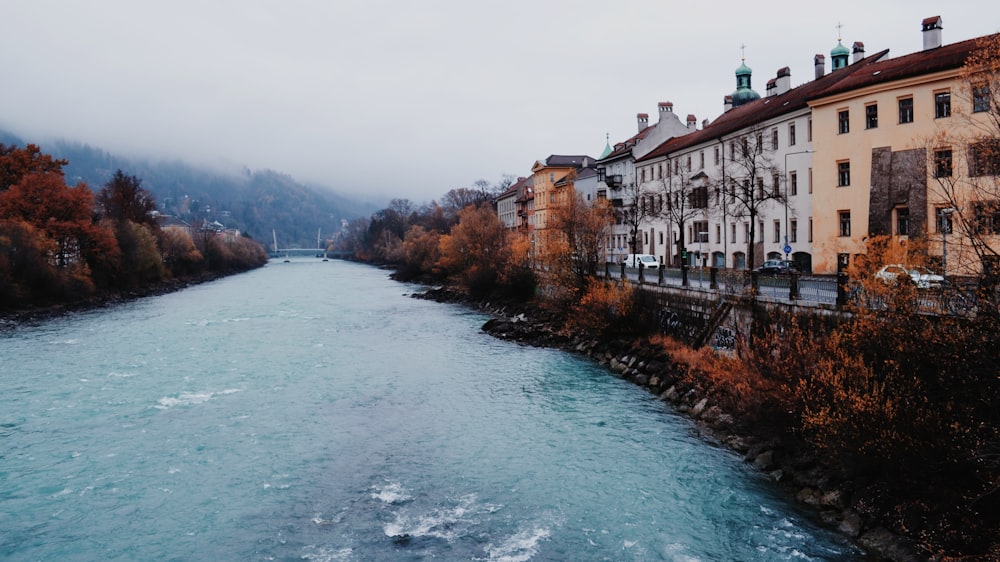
[(313, 411)]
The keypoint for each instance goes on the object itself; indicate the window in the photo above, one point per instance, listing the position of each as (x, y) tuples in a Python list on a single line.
[(809, 130), (776, 179), (689, 163), (552, 198), (701, 160), (987, 217), (903, 221), (732, 231), (552, 177), (760, 188), (810, 180), (718, 234), (777, 231), (746, 232), (871, 116), (906, 110), (793, 228), (760, 143), (980, 98), (760, 229), (984, 158), (716, 156), (843, 174), (701, 231), (845, 223), (793, 183), (843, 121), (810, 229), (942, 105), (774, 138), (791, 134), (944, 224), (942, 163)]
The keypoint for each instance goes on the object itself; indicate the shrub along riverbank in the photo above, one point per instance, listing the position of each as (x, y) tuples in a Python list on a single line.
[(876, 435)]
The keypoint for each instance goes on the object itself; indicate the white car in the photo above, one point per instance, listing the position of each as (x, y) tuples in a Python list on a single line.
[(922, 277), (648, 261)]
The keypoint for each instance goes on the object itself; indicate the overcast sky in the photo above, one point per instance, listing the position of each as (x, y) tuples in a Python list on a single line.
[(410, 99)]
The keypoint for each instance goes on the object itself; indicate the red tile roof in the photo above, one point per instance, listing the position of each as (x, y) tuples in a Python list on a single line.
[(763, 109)]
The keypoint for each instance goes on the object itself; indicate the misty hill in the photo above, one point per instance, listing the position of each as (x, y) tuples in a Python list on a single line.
[(253, 201)]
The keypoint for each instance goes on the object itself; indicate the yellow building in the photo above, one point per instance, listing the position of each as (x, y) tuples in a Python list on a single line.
[(553, 187), (885, 140)]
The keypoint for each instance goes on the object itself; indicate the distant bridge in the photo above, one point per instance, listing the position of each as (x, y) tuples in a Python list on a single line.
[(277, 252), (310, 252)]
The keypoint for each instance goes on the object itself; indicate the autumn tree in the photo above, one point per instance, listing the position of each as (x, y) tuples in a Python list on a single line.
[(15, 163), (746, 192), (26, 273), (179, 253), (130, 210), (640, 204), (476, 250), (65, 215), (420, 253), (585, 228), (683, 201), (124, 199)]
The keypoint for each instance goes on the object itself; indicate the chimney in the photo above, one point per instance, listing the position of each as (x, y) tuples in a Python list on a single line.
[(819, 61), (783, 80), (704, 123), (692, 121), (665, 108), (727, 103), (932, 32), (643, 120), (858, 50), (772, 86)]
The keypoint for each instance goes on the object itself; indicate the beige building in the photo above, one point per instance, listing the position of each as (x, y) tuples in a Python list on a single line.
[(885, 141)]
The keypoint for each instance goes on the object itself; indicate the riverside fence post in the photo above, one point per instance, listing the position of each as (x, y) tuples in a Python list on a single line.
[(713, 275), (793, 286), (842, 278)]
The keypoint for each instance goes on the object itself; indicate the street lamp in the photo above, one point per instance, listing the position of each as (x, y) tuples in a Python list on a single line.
[(787, 154), (945, 227)]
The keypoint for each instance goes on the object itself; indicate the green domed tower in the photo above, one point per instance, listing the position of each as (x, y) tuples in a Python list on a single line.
[(839, 55), (744, 93)]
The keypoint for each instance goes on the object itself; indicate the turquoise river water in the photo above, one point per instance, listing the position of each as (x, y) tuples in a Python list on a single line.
[(314, 410)]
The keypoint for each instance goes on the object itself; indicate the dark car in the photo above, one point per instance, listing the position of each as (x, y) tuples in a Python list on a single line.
[(777, 267)]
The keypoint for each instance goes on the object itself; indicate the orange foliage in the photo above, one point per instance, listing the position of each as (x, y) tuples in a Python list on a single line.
[(603, 308)]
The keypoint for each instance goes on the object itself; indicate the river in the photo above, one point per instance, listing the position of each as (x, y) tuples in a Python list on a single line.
[(314, 410)]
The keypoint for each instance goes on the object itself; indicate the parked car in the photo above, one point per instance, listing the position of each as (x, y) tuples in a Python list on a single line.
[(920, 276), (648, 261), (777, 267)]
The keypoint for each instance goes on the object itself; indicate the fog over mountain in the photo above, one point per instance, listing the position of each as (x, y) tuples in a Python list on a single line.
[(254, 201)]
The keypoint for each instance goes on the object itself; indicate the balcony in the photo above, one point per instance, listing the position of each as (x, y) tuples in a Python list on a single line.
[(614, 181)]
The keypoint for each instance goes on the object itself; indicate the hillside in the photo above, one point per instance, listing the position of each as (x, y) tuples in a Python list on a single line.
[(253, 201)]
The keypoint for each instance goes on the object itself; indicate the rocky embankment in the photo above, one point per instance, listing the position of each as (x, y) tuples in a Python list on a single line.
[(806, 478)]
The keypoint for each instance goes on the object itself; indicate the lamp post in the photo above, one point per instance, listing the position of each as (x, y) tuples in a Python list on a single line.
[(945, 227), (787, 154)]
